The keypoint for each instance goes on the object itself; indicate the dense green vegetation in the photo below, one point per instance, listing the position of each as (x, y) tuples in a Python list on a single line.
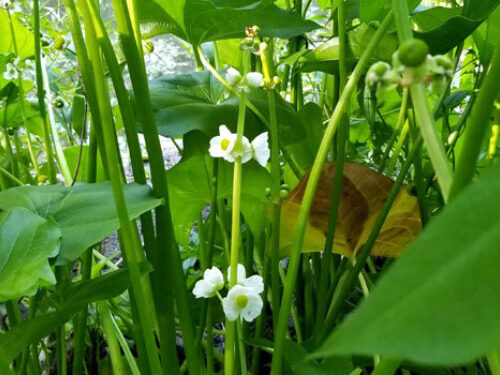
[(335, 209)]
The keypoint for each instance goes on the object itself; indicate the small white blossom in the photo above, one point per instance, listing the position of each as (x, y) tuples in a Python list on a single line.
[(255, 282), (260, 149), (212, 282), (233, 77), (242, 302), (255, 80), (10, 72), (223, 146)]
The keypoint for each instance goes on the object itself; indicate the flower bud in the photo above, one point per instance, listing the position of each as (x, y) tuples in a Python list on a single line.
[(59, 42), (413, 52), (233, 77), (255, 80), (148, 46)]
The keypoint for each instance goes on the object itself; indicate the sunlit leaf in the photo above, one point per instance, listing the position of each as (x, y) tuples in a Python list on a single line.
[(24, 37), (362, 196)]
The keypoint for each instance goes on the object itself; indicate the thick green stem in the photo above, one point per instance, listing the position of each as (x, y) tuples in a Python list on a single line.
[(312, 184), (132, 249), (168, 257), (478, 125), (230, 339), (109, 333), (424, 115)]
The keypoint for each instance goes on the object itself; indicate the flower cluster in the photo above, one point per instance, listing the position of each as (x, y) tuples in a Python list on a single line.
[(243, 299), (224, 146), (411, 63), (252, 80), (13, 69)]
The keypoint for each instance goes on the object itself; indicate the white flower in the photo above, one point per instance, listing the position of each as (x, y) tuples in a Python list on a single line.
[(255, 80), (233, 77), (223, 146), (242, 302), (212, 282), (254, 282), (260, 149), (10, 72)]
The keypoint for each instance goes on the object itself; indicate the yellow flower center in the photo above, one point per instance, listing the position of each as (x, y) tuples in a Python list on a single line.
[(224, 144), (241, 301)]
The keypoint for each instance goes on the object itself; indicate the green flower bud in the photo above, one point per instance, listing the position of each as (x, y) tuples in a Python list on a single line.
[(42, 178), (148, 46), (413, 52), (59, 42)]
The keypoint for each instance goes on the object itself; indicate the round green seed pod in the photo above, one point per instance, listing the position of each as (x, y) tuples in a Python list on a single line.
[(413, 52), (283, 194)]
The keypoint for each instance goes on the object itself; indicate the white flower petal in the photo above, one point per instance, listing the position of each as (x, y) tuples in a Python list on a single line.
[(255, 79), (202, 289), (214, 276), (215, 149), (246, 150), (233, 76), (224, 131), (255, 282), (260, 147), (253, 308)]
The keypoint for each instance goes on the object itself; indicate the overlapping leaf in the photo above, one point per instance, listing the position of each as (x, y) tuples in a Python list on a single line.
[(439, 302), (27, 243), (85, 213), (199, 21), (362, 197)]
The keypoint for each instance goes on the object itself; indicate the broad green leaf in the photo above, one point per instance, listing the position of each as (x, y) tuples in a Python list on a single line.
[(361, 37), (85, 213), (194, 101), (439, 302), (208, 20), (24, 37), (190, 191), (27, 242), (175, 9), (486, 36), (444, 28), (72, 155), (73, 298), (377, 9)]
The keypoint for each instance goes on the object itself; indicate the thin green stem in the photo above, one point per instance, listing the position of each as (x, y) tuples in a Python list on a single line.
[(386, 366), (109, 333), (312, 184), (230, 338), (41, 93), (478, 125), (352, 274)]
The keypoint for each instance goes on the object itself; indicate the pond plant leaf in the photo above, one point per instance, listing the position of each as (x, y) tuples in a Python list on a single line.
[(362, 196), (444, 28), (27, 243), (85, 213), (439, 302), (208, 20)]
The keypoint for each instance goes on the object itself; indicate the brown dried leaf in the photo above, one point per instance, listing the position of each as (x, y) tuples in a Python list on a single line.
[(362, 196)]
